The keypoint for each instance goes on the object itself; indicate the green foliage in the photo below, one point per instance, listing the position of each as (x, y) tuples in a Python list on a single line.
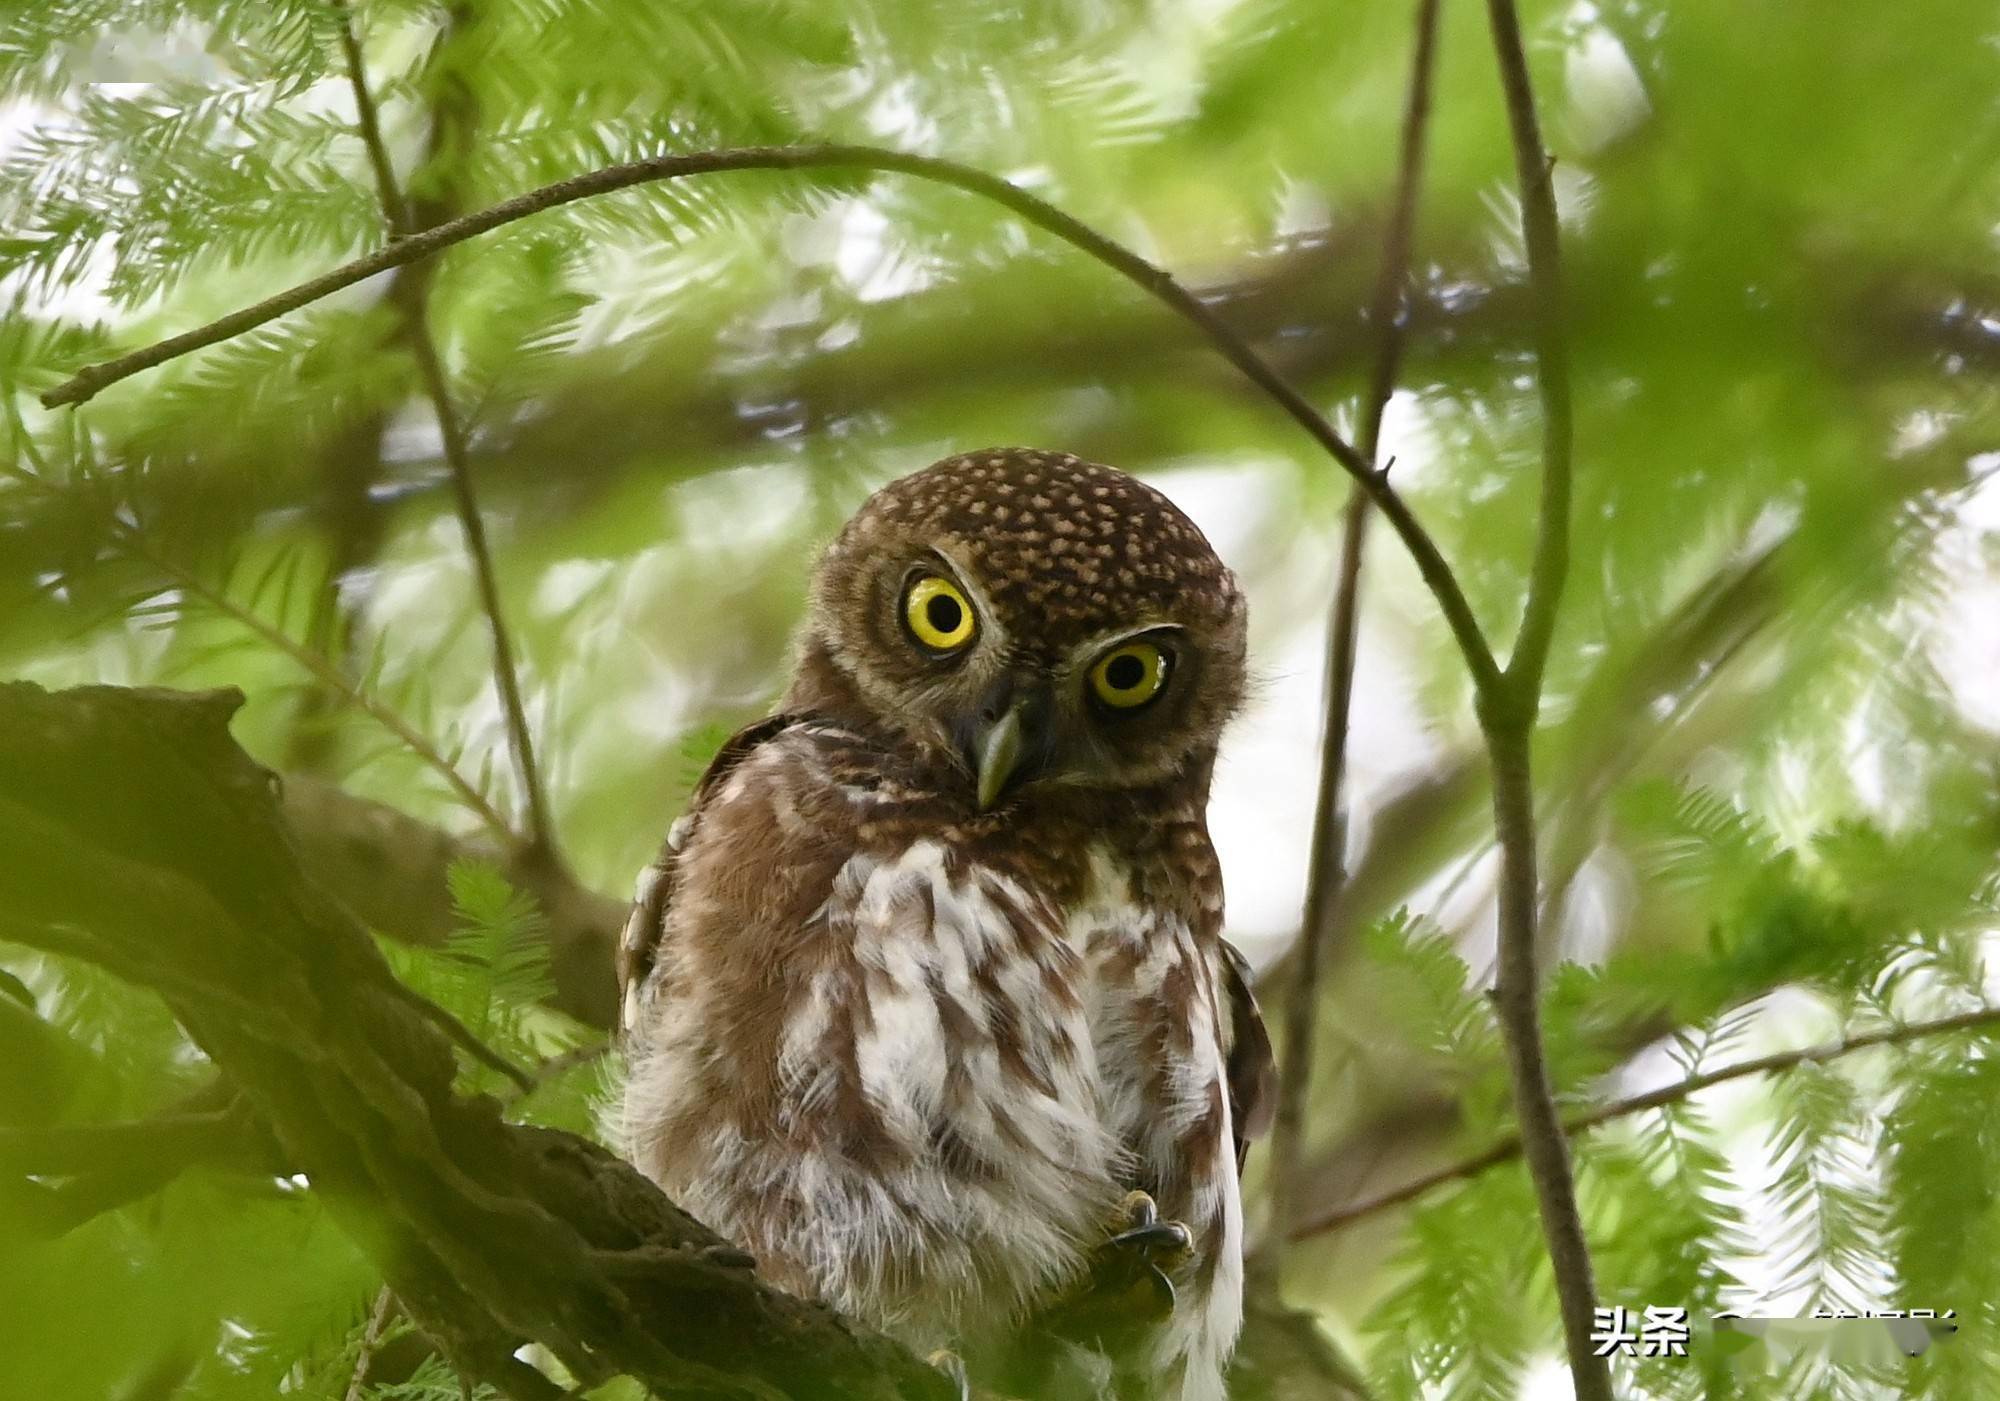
[(500, 953), (1463, 1315), (432, 1381), (492, 974), (1768, 803)]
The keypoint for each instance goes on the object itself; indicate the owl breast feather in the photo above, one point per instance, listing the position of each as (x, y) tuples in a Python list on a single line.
[(906, 1078)]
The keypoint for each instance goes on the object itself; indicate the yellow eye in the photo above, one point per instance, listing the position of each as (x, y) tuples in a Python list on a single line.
[(938, 614), (1129, 676)]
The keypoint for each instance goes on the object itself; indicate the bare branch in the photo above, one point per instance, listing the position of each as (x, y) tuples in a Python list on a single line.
[(1508, 710), (1157, 282), (1328, 875), (1509, 1148), (371, 1338), (506, 676), (81, 1171), (1535, 167)]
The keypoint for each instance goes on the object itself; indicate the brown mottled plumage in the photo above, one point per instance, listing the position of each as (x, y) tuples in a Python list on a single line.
[(931, 973)]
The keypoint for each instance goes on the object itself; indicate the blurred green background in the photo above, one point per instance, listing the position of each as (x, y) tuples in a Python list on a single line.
[(1767, 770)]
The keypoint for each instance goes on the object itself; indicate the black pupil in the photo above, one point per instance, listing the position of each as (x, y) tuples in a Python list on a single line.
[(944, 614), (1125, 673)]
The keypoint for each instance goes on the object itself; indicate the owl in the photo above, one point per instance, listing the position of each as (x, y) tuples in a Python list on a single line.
[(928, 983)]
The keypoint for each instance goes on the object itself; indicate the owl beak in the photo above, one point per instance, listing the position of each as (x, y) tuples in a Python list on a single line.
[(1006, 739), (998, 751)]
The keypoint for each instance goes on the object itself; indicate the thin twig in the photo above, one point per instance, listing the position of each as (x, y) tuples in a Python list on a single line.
[(462, 1036), (350, 459), (371, 1338), (1161, 285), (1508, 710), (1328, 875), (329, 676), (555, 1066), (1509, 1148), (506, 677)]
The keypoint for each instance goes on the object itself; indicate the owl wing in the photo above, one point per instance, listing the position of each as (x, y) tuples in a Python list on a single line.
[(1252, 1069), (639, 944)]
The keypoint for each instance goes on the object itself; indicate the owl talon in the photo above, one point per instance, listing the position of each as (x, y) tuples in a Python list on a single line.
[(1167, 1241), (1163, 1245), (1128, 1285)]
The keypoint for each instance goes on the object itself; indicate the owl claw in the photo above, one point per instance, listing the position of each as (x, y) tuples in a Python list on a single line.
[(1127, 1286), (1164, 1245), (1163, 1240)]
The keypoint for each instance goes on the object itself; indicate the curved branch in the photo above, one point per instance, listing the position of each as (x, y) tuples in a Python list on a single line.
[(1534, 168), (1160, 284), (1509, 1148)]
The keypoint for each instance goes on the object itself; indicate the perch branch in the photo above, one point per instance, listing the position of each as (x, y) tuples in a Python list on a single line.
[(1156, 281), (1328, 875), (1507, 713), (451, 429), (1509, 1148), (134, 833)]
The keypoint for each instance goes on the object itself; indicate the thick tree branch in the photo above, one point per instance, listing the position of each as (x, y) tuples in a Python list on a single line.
[(1509, 1148), (81, 1171), (1161, 285), (1508, 710), (135, 834), (1327, 876), (401, 223)]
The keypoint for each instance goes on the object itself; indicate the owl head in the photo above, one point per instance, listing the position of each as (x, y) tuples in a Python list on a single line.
[(1027, 620)]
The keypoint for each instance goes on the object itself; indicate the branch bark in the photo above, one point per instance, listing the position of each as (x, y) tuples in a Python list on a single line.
[(389, 869), (1327, 877), (1508, 710), (135, 834)]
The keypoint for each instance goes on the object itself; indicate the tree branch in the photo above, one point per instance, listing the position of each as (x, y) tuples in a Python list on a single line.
[(423, 346), (371, 1338), (1509, 1148), (86, 1170), (1508, 710), (134, 833), (1157, 282), (1327, 878), (1534, 169), (389, 869), (351, 457)]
